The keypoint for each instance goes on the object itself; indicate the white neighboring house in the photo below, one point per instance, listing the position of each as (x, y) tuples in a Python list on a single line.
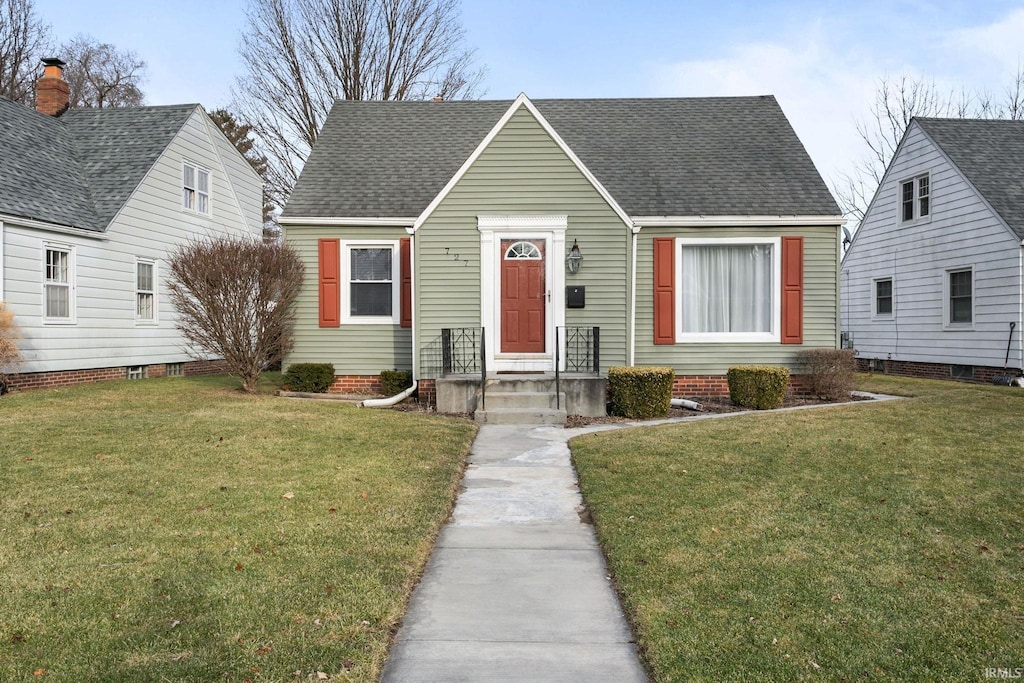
[(933, 278), (91, 203)]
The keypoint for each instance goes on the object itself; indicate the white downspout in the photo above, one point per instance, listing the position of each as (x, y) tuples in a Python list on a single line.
[(1020, 306), (391, 400), (1, 260), (632, 303)]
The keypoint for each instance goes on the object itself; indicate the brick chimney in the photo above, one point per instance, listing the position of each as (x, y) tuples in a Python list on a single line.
[(52, 91)]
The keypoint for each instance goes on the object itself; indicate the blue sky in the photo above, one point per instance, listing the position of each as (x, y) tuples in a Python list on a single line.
[(822, 60)]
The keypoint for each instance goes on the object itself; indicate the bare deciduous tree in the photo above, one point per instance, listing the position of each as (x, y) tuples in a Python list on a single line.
[(234, 299), (100, 75), (897, 101), (302, 55), (24, 40)]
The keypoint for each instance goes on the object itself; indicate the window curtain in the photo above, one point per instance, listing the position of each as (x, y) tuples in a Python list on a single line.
[(726, 288)]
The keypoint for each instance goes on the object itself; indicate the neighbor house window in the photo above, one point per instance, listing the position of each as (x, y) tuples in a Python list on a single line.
[(136, 372), (196, 188), (175, 370), (371, 294), (961, 297), (727, 289), (915, 198), (883, 297), (145, 291), (58, 284)]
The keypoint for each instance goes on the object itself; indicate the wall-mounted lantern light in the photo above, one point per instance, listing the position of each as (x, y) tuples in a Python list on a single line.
[(575, 258)]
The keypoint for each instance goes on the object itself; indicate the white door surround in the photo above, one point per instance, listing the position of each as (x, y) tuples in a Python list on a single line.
[(551, 229)]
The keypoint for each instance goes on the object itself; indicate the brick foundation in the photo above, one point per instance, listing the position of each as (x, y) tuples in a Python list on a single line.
[(356, 384), (710, 386), (983, 374), (66, 378), (427, 391)]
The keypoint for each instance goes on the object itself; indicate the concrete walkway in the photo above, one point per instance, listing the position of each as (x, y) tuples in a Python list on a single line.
[(516, 588)]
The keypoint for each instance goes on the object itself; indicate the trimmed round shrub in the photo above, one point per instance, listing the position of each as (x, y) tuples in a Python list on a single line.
[(314, 378), (761, 387), (640, 393), (395, 381)]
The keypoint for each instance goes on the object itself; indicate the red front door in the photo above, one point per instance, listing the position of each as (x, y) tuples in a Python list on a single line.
[(523, 295)]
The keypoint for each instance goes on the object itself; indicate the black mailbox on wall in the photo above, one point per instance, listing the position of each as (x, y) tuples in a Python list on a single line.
[(575, 297)]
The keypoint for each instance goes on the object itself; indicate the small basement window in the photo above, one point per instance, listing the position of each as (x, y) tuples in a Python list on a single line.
[(137, 372), (175, 370), (961, 371)]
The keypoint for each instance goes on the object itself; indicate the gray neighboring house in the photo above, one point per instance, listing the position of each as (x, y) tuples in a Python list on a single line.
[(91, 202), (933, 277), (706, 234)]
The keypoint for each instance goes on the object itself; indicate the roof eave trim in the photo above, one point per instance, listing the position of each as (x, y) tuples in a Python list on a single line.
[(369, 221), (521, 100), (33, 224), (734, 221)]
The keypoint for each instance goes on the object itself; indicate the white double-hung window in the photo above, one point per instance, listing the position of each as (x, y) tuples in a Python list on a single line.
[(728, 290), (195, 182), (915, 198), (58, 284), (371, 292), (145, 291)]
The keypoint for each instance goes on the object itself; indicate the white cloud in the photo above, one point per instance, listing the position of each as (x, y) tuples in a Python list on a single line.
[(822, 91), (1000, 40)]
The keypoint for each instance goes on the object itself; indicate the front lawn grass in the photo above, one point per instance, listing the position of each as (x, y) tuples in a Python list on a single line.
[(876, 542), (178, 530)]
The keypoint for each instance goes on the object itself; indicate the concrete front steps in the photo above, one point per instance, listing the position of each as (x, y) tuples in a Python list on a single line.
[(522, 398), (508, 403)]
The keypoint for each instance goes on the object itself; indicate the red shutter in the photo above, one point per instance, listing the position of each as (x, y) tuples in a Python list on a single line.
[(664, 290), (405, 257), (792, 290), (330, 282)]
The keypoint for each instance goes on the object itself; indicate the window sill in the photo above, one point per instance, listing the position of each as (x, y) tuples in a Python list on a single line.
[(738, 338), (883, 318), (147, 323), (917, 221), (193, 212), (59, 322), (371, 321), (957, 327)]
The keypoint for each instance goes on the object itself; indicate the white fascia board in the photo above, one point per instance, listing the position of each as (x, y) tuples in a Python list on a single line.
[(52, 227), (369, 221), (521, 101), (733, 221)]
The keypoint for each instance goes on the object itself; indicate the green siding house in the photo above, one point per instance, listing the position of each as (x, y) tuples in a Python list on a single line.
[(437, 238)]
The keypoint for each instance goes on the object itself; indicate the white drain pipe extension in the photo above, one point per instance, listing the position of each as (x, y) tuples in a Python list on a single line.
[(391, 400), (684, 403)]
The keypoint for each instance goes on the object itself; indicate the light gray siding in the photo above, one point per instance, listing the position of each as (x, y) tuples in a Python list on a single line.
[(353, 349), (523, 172), (961, 232), (820, 304), (150, 224)]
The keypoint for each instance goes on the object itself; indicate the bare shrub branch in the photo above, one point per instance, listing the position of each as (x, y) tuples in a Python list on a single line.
[(829, 372), (10, 355), (235, 299)]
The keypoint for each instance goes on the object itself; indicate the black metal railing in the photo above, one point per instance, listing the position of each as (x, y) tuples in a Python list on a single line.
[(582, 349), (457, 351)]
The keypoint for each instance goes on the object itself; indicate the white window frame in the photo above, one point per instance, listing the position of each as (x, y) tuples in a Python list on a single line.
[(947, 312), (346, 277), (774, 336), (154, 292), (72, 318), (196, 168), (916, 199), (874, 298)]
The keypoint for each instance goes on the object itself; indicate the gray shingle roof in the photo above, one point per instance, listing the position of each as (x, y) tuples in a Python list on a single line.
[(80, 168), (991, 154), (657, 157)]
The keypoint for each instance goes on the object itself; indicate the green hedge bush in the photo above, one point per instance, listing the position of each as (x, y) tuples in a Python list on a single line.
[(395, 381), (641, 392), (309, 377), (761, 387)]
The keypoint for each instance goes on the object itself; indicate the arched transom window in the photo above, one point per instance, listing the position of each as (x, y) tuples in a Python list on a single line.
[(523, 250)]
